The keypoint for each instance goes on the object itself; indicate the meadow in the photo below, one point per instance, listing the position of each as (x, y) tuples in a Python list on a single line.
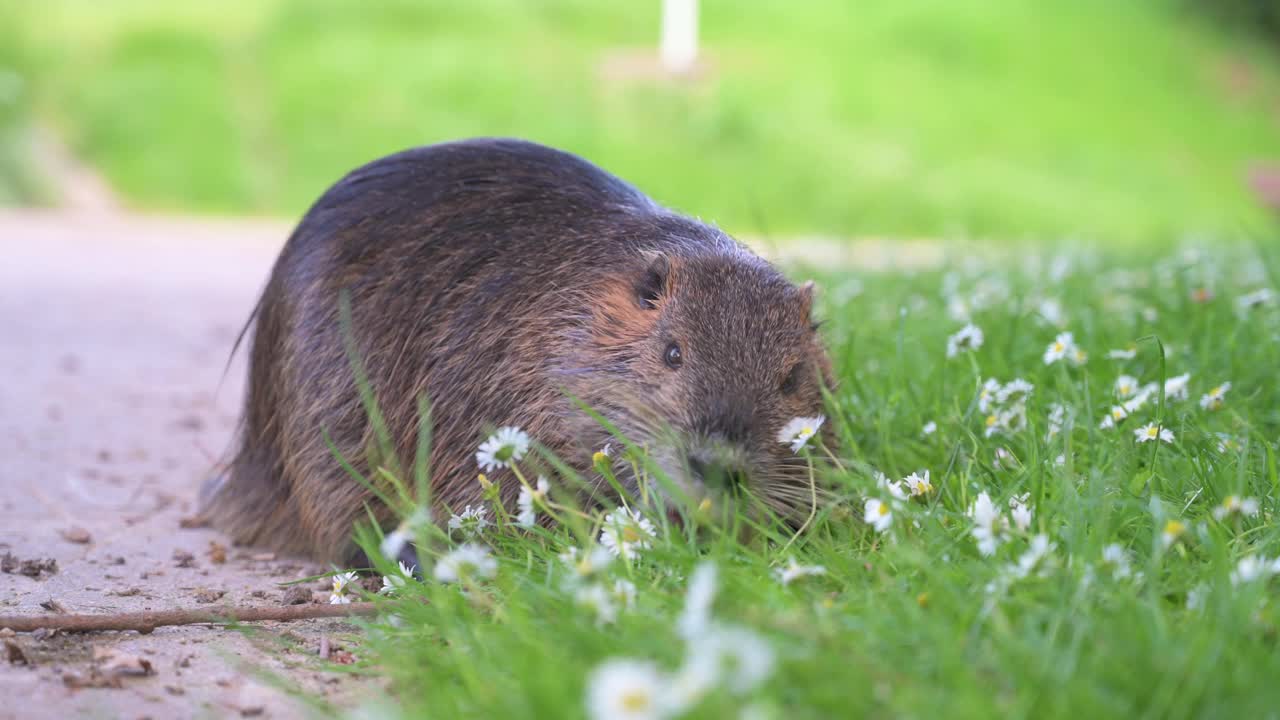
[(1124, 122), (1055, 495)]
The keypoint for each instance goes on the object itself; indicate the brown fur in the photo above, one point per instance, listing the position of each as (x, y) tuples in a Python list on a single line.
[(500, 278)]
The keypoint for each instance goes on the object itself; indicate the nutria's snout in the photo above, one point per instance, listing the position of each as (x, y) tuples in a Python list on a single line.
[(719, 457)]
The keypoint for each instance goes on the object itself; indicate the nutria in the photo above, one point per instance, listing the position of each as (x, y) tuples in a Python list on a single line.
[(510, 282)]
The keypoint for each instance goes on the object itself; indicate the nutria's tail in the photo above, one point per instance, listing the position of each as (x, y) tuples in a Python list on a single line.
[(251, 500), (252, 503)]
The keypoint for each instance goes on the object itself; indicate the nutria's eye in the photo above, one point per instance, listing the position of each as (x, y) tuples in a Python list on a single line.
[(791, 381), (673, 357)]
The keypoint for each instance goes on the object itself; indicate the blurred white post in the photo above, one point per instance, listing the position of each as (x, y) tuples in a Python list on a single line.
[(679, 35)]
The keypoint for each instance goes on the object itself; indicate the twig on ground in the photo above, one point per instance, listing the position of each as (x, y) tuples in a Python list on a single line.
[(145, 622)]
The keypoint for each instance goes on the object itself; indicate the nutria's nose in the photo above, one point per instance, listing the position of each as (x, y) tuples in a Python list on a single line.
[(716, 474), (728, 419)]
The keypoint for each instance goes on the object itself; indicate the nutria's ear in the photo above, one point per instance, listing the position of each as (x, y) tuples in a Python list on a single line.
[(652, 284), (806, 292)]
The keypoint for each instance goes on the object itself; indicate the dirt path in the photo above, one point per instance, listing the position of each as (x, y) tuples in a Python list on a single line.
[(113, 337)]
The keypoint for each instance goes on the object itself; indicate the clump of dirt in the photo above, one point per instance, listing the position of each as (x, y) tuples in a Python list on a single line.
[(76, 534), (10, 563), (206, 596), (109, 669), (296, 595)]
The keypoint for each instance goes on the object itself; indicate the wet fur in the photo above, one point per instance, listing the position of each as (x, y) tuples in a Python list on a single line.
[(496, 277)]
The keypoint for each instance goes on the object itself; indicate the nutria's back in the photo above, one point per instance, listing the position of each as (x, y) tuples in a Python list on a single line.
[(501, 279)]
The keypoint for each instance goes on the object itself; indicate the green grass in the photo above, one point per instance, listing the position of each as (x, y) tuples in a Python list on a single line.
[(1117, 120), (903, 624), (19, 183)]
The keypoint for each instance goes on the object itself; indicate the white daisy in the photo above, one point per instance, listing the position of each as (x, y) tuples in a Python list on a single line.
[(798, 431), (471, 523), (1172, 531), (395, 541), (529, 498), (1113, 417), (599, 601), (1257, 298), (1016, 391), (1020, 511), (624, 591), (1030, 560), (1151, 431), (625, 532), (1144, 395), (736, 657), (896, 493), (587, 564), (506, 446), (1235, 505), (341, 587), (987, 395), (989, 524), (878, 514), (929, 428), (1213, 399), (918, 484), (1195, 597), (968, 339), (991, 425), (794, 571), (1115, 557), (699, 595), (1254, 567), (1051, 310), (1003, 458), (466, 561), (624, 689), (1057, 421), (1061, 347), (392, 584), (1126, 354), (1175, 388), (1126, 386)]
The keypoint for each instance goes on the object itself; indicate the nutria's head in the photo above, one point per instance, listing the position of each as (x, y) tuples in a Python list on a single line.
[(703, 358)]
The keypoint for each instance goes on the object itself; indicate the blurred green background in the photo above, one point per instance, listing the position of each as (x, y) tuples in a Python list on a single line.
[(1118, 120)]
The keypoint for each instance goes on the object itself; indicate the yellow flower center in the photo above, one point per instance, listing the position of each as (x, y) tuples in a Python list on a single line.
[(635, 701), (884, 509), (630, 534), (1059, 347), (1153, 432), (1174, 528), (705, 505), (992, 420), (1117, 413)]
